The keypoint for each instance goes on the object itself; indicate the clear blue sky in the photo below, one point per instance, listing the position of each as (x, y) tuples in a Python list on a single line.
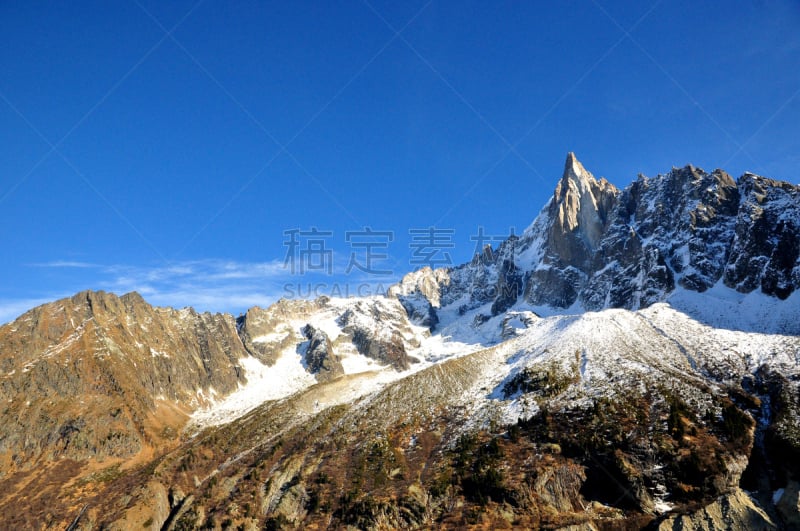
[(166, 146)]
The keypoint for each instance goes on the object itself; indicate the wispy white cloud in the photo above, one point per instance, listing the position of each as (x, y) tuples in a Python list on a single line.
[(66, 264), (212, 285), (216, 285), (208, 269), (214, 299)]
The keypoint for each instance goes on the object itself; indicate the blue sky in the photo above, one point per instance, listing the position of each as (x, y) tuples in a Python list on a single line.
[(167, 147)]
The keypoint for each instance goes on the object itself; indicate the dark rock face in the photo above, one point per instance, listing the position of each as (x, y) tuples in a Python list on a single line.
[(491, 277), (509, 287), (319, 356), (554, 287), (672, 228), (691, 228), (420, 310), (264, 332), (419, 296), (390, 351), (766, 248)]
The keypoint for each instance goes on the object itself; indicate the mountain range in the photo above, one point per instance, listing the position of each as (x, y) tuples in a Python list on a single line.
[(631, 360)]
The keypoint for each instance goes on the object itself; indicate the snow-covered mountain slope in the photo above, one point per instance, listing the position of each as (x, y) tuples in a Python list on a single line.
[(613, 345), (508, 369), (370, 337)]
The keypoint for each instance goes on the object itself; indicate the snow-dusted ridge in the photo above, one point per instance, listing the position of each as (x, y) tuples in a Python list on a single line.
[(608, 349), (667, 248), (289, 375)]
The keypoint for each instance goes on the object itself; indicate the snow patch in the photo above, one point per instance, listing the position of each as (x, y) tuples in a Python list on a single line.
[(264, 383), (157, 353), (662, 507)]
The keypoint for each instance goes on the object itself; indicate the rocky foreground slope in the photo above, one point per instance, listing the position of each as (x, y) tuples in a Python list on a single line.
[(631, 360)]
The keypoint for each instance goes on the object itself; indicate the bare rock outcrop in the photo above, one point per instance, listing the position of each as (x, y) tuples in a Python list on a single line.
[(319, 356), (735, 511), (378, 329)]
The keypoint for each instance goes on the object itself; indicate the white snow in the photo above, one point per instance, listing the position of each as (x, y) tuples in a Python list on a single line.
[(264, 383), (662, 507), (157, 353), (605, 351), (724, 307), (363, 375), (271, 338), (355, 363)]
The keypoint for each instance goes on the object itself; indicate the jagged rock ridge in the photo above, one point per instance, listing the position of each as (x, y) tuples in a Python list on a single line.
[(132, 366), (593, 246)]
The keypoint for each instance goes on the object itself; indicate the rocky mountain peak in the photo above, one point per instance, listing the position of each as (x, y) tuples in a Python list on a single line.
[(136, 369), (579, 212), (574, 169), (320, 359), (102, 305), (599, 247)]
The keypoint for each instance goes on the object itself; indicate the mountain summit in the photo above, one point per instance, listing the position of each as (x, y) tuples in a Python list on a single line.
[(574, 224), (579, 210), (631, 360)]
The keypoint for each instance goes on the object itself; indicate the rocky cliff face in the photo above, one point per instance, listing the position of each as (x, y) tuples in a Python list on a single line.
[(85, 377), (380, 331), (101, 379), (266, 332), (735, 511), (567, 243), (668, 231), (766, 245), (579, 211)]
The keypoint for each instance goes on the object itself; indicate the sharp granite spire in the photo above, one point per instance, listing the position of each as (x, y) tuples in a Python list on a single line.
[(578, 213)]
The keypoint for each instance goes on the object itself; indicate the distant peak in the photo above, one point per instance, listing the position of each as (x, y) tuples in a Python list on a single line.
[(89, 295)]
